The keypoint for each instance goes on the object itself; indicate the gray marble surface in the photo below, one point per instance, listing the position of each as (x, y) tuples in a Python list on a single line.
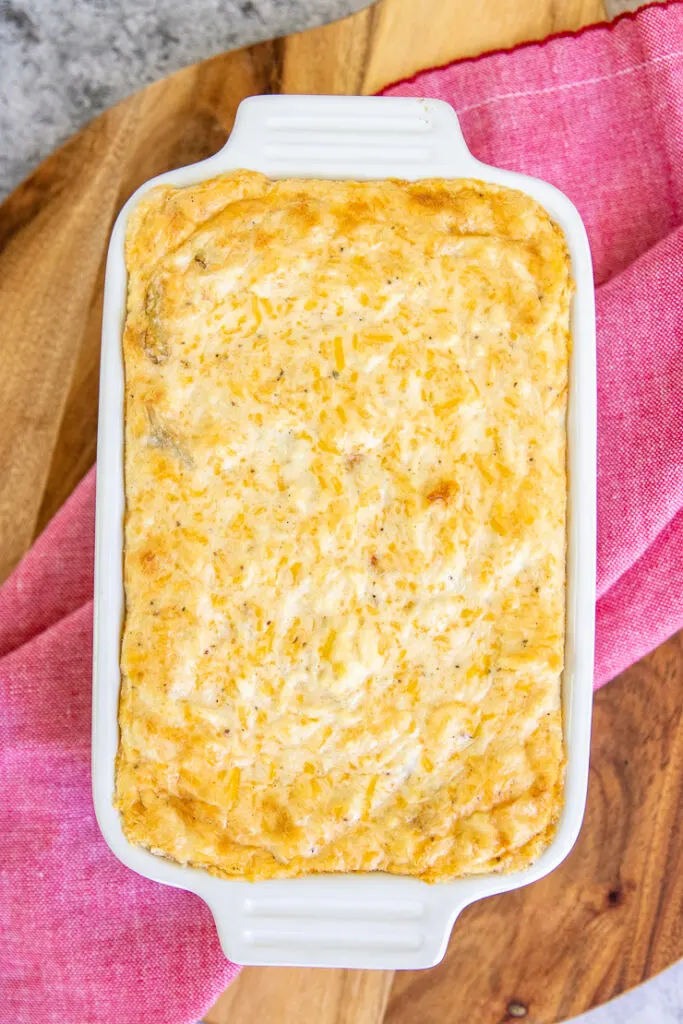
[(64, 61), (658, 1001)]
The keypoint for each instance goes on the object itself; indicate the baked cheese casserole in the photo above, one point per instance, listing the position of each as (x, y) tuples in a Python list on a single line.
[(344, 569)]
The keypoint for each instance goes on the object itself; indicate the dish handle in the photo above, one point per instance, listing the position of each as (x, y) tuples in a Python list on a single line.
[(396, 924), (347, 136)]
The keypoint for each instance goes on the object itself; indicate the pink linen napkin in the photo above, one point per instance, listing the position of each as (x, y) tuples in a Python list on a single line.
[(84, 940)]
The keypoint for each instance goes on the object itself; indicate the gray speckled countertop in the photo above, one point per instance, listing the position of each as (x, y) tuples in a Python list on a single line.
[(62, 62)]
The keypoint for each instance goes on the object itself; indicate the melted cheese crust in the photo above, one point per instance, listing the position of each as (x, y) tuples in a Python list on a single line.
[(345, 530)]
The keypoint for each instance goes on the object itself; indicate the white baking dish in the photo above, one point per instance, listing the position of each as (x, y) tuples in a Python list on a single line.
[(374, 920)]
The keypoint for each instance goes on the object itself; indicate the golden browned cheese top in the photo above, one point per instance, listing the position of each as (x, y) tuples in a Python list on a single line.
[(344, 567)]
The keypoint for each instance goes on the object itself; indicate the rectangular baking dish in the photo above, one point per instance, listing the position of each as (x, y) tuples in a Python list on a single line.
[(373, 920)]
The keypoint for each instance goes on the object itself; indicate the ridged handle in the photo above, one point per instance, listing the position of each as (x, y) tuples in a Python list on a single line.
[(383, 922), (362, 138)]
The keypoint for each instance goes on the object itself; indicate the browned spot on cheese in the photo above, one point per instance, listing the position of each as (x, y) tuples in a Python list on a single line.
[(352, 215), (304, 214), (262, 239), (148, 560), (444, 491), (433, 199)]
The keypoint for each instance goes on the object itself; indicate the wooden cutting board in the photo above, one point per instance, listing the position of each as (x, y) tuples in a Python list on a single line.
[(611, 915)]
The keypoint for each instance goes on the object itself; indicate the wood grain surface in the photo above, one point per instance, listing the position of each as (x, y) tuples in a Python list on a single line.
[(611, 915)]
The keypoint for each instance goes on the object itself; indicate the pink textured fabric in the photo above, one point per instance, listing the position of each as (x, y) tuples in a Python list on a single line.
[(84, 940)]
